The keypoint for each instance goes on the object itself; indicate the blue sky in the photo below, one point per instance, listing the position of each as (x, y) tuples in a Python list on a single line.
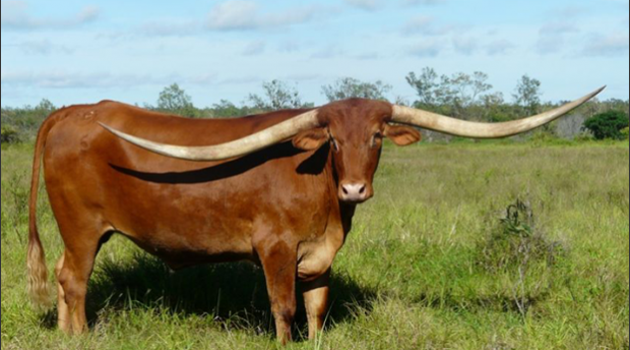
[(85, 51)]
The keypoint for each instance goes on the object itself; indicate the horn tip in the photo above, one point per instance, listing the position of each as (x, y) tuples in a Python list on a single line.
[(595, 93), (599, 91)]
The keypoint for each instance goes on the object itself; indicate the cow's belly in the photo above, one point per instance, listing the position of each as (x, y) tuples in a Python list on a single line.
[(193, 241), (184, 237)]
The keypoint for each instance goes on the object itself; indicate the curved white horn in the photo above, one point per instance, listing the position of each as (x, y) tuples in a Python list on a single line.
[(456, 127), (232, 149)]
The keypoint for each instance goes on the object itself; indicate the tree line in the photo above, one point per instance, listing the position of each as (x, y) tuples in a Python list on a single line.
[(461, 95)]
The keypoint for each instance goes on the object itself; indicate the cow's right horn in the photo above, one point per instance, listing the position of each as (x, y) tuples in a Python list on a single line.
[(456, 127), (233, 149)]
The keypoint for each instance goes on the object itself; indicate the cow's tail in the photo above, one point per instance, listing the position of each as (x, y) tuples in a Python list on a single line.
[(38, 286)]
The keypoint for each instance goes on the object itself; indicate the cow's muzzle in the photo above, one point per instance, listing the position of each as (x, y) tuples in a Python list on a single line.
[(356, 192)]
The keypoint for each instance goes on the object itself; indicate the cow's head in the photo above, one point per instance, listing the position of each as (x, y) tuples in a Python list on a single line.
[(355, 129)]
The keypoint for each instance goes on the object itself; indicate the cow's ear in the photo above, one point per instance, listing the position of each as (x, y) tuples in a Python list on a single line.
[(402, 135), (310, 140)]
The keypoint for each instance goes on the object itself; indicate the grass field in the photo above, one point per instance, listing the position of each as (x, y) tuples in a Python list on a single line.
[(428, 265)]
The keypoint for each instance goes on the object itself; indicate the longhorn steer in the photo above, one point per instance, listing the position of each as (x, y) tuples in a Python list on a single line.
[(279, 189)]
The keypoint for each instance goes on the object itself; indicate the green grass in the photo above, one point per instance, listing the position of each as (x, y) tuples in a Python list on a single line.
[(427, 266)]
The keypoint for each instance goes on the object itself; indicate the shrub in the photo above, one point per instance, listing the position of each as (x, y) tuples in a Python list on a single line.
[(521, 253), (583, 137), (608, 125), (516, 241), (625, 133), (546, 138), (9, 135)]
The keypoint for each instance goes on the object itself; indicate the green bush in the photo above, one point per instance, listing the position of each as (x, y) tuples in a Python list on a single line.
[(9, 135), (521, 253), (608, 125), (583, 137), (546, 138), (516, 242), (626, 133)]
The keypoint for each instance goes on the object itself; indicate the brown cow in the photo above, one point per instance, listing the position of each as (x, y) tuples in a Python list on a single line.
[(251, 195)]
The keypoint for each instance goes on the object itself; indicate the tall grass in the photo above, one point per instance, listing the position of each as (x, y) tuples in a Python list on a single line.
[(434, 262)]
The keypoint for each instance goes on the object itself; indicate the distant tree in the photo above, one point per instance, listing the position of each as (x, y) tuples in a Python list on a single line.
[(227, 109), (495, 109), (619, 105), (425, 85), (467, 89), (174, 99), (45, 107), (23, 123), (570, 126), (454, 95), (527, 94), (353, 88), (277, 96), (608, 125)]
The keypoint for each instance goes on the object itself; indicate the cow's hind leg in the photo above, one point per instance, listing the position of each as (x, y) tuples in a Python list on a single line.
[(73, 275), (63, 312), (279, 261), (316, 302)]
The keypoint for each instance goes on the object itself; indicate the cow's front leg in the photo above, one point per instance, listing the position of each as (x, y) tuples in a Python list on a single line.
[(279, 261), (315, 294)]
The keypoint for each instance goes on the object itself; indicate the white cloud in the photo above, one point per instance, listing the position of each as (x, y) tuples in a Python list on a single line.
[(607, 46), (552, 37), (368, 56), (12, 10), (368, 5), (246, 15), (465, 45), (559, 28), (245, 80), (200, 79), (423, 2), (426, 25), (255, 48), (330, 51), (290, 46), (302, 77), (570, 11), (233, 15), (62, 79), (170, 28), (499, 47), (43, 47), (88, 14), (15, 16), (426, 49)]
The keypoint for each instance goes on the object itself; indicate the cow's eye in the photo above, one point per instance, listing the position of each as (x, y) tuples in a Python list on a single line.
[(334, 144), (376, 140)]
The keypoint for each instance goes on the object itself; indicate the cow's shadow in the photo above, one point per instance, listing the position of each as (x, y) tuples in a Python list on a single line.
[(233, 294)]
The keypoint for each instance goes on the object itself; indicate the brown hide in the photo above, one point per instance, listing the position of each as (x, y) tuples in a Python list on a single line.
[(182, 211), (284, 207)]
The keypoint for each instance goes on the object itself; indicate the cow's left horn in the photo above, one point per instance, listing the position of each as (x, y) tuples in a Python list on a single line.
[(456, 127), (232, 149)]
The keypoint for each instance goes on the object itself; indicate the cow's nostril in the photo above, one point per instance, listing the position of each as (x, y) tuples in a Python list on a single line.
[(362, 190), (345, 191)]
